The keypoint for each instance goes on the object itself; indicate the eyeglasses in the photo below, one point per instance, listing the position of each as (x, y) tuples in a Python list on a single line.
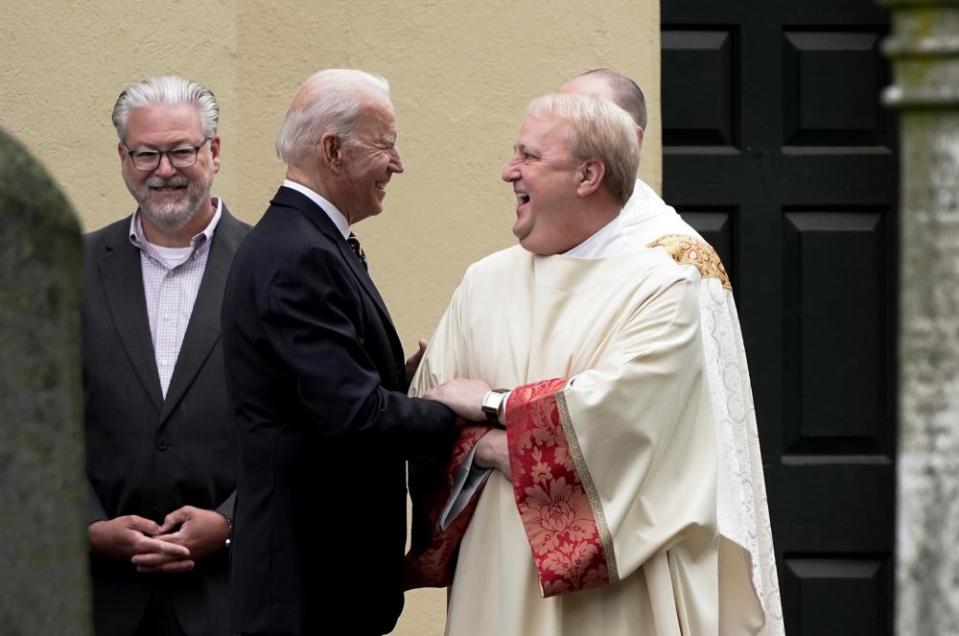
[(182, 157)]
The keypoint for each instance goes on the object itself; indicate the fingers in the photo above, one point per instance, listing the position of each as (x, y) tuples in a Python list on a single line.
[(492, 451), (179, 538), (149, 545), (159, 555), (155, 559), (184, 565), (413, 362), (175, 518), (147, 526)]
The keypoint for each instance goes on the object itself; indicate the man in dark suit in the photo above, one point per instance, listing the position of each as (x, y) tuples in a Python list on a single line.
[(315, 372), (161, 442)]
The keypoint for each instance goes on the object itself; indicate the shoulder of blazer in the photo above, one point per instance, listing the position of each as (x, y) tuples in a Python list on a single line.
[(109, 234), (289, 198), (107, 239)]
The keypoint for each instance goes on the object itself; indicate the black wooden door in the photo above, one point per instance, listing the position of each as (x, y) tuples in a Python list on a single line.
[(776, 148)]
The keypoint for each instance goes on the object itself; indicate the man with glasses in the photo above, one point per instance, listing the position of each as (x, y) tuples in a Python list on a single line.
[(161, 445)]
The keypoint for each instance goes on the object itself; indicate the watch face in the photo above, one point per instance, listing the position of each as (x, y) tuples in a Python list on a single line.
[(492, 402)]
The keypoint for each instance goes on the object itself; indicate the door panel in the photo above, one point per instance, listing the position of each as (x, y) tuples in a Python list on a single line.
[(777, 150)]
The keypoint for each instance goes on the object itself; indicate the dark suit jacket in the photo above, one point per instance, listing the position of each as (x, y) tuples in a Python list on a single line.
[(315, 371), (149, 456)]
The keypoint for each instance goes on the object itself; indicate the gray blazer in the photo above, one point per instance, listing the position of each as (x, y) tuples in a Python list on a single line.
[(145, 455)]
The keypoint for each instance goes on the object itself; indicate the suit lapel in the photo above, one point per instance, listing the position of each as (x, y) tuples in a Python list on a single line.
[(361, 273), (203, 330), (364, 277), (374, 293), (367, 283), (120, 272)]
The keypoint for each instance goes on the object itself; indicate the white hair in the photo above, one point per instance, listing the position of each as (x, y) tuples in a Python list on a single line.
[(329, 101), (167, 89), (599, 129)]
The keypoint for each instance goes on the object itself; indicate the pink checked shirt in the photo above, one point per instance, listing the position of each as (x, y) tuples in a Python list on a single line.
[(171, 287)]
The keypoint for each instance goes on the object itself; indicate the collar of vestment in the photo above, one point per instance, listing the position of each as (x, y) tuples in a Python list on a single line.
[(339, 220), (604, 242), (198, 242)]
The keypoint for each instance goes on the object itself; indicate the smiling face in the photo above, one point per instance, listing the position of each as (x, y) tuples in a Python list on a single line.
[(369, 160), (544, 174), (170, 198)]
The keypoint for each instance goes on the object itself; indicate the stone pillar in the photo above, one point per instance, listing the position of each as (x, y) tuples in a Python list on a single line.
[(44, 580), (924, 47)]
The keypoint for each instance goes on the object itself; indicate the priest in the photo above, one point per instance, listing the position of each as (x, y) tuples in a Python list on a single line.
[(586, 500)]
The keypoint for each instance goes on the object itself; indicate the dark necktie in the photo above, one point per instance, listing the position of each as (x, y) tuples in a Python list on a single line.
[(357, 248)]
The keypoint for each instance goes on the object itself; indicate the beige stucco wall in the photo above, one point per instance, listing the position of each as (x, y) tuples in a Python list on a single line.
[(461, 74)]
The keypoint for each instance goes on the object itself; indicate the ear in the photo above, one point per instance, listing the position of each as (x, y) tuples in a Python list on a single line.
[(640, 135), (121, 151), (215, 152), (331, 148), (590, 175)]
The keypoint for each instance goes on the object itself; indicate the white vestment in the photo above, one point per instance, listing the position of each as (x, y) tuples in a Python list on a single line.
[(642, 508), (612, 514), (742, 508)]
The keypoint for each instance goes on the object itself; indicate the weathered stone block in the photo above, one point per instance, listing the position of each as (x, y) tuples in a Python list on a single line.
[(44, 586)]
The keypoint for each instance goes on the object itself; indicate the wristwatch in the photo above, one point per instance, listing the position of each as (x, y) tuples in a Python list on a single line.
[(493, 404)]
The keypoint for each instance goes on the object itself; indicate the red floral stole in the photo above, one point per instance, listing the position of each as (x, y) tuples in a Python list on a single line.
[(558, 507)]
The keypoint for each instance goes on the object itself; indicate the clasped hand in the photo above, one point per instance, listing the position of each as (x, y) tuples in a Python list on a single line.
[(187, 534), (465, 398)]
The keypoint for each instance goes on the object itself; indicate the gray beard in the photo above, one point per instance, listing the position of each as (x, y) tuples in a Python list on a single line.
[(172, 215)]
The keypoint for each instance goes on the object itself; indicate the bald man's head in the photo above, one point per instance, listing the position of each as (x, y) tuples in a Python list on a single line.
[(616, 87)]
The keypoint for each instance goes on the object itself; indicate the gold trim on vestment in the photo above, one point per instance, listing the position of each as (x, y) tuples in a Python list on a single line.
[(689, 250), (591, 493)]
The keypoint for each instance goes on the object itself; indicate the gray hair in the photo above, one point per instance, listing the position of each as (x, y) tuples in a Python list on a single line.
[(167, 89), (625, 92), (599, 129), (329, 101)]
